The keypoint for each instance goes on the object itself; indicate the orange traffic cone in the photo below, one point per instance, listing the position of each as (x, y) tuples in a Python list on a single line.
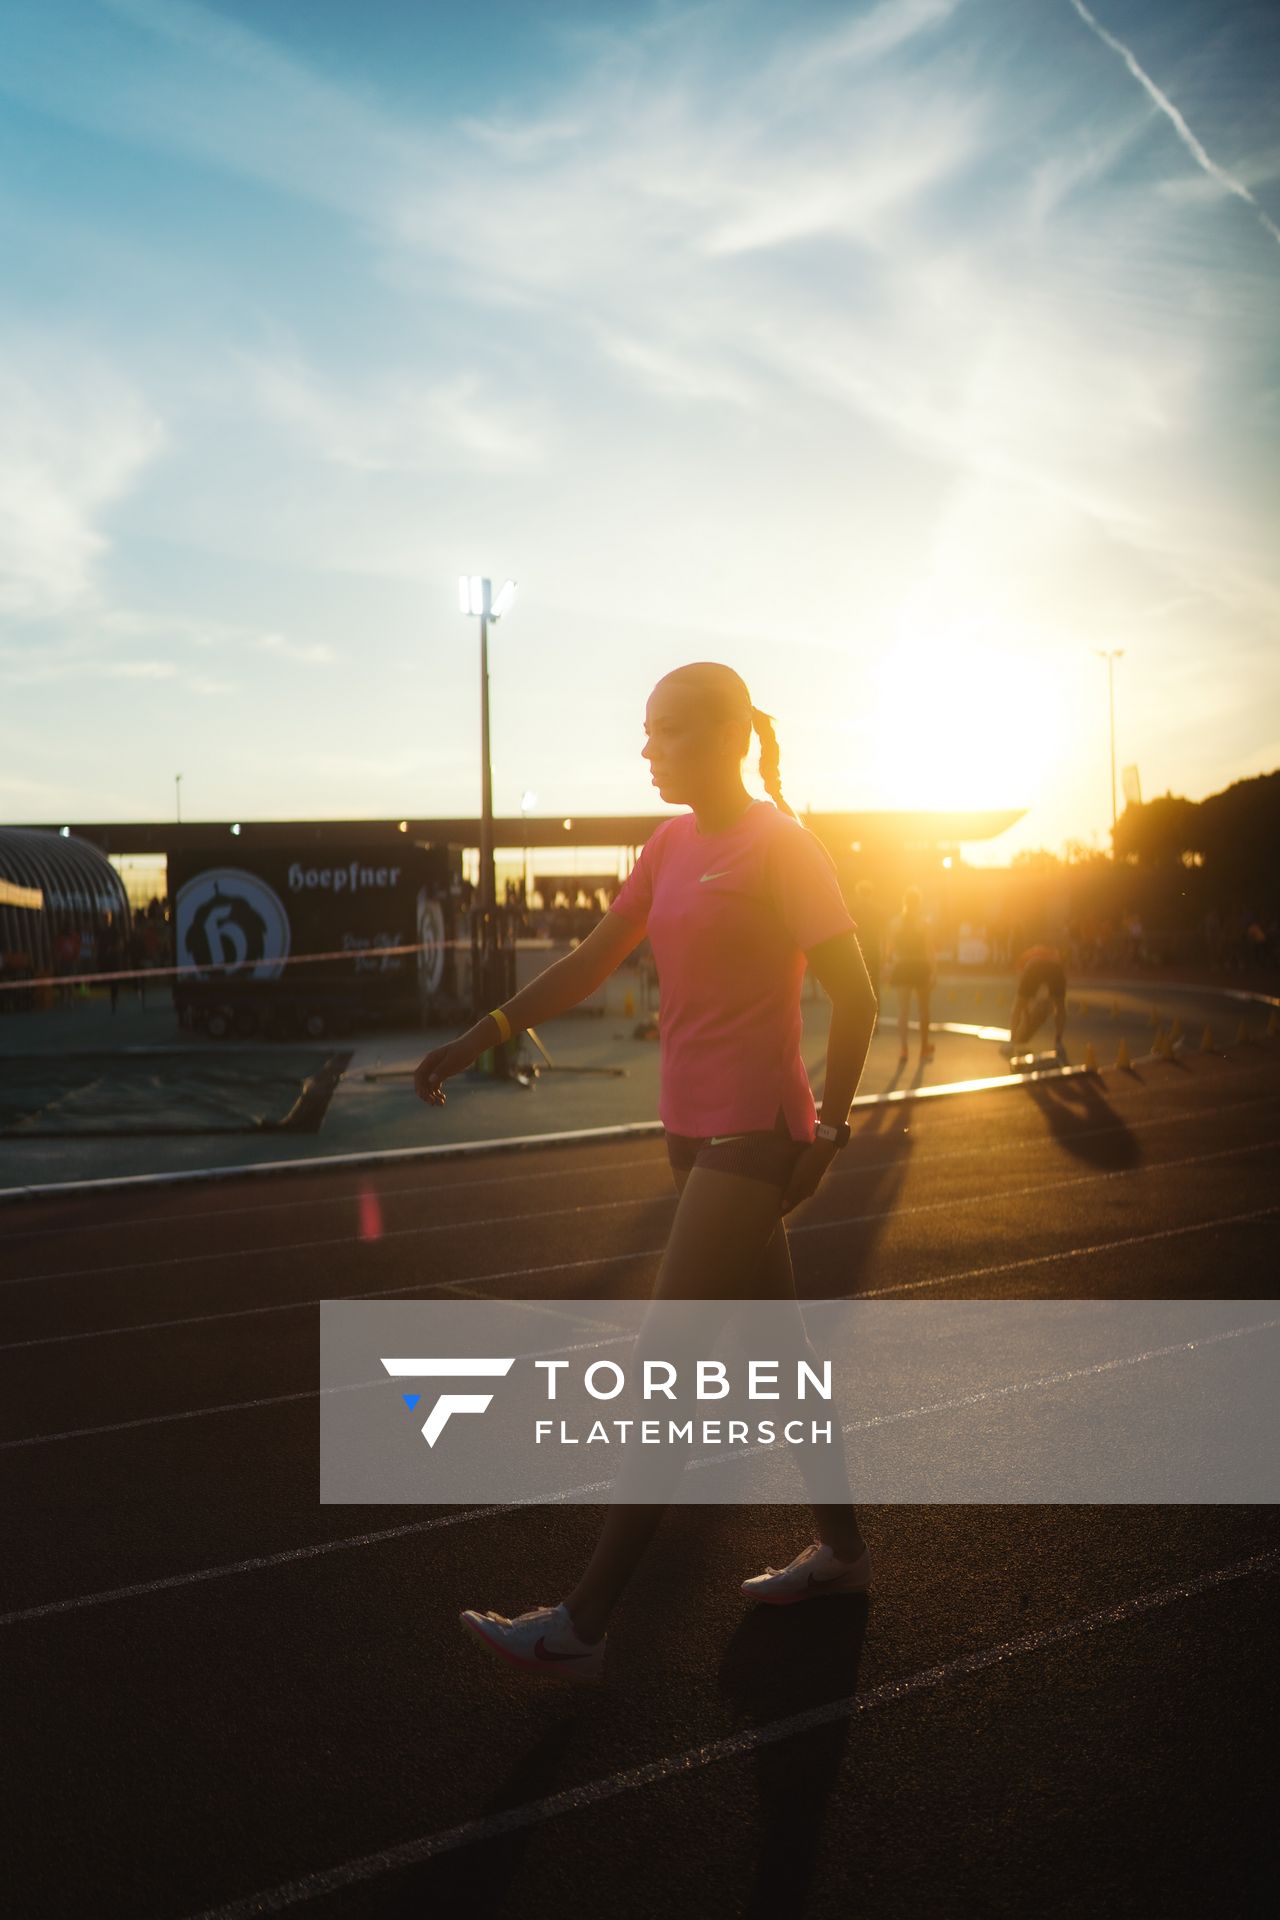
[(1090, 1059), (1242, 1034), (1123, 1062), (1206, 1041)]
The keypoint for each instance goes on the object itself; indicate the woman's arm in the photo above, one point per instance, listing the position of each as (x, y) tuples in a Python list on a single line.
[(842, 974), (572, 978)]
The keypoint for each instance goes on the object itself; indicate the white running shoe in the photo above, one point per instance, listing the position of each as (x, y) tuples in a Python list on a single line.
[(543, 1639), (812, 1572)]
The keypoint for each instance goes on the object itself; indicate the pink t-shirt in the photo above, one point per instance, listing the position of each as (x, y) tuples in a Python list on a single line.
[(729, 917)]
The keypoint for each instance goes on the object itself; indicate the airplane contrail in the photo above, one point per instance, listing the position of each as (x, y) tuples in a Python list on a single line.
[(1184, 132)]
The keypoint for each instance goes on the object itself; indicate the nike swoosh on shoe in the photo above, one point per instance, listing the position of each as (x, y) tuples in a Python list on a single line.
[(831, 1579), (543, 1652)]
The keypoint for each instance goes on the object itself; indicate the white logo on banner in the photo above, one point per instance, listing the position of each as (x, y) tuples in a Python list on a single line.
[(448, 1403), (431, 941), (225, 916)]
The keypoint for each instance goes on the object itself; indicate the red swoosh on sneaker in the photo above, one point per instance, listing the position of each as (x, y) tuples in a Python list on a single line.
[(830, 1580), (543, 1652)]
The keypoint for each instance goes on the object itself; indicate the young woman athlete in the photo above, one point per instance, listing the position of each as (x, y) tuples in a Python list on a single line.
[(736, 896)]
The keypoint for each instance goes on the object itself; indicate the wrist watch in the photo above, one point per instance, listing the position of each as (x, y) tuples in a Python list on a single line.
[(839, 1136)]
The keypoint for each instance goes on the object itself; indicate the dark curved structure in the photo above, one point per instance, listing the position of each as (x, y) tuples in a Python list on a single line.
[(77, 885)]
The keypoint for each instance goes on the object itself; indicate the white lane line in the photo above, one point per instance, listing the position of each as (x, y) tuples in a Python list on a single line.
[(983, 1396), (288, 1556), (1068, 1253), (320, 1163), (371, 1866), (987, 1197), (384, 1156), (923, 1156), (608, 1260)]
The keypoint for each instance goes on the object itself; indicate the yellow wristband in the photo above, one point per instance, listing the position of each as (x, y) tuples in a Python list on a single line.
[(504, 1025)]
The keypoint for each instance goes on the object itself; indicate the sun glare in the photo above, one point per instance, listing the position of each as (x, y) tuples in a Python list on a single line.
[(962, 719)]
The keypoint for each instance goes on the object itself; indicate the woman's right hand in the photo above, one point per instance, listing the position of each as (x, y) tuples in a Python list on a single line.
[(436, 1067)]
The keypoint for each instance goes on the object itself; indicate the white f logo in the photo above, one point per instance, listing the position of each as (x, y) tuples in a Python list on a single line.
[(434, 1424)]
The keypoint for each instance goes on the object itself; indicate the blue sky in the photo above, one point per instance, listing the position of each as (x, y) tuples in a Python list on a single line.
[(900, 355)]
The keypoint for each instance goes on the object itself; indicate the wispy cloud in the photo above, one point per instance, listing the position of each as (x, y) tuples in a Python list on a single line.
[(398, 426), (313, 653), (76, 439), (1227, 181), (735, 321)]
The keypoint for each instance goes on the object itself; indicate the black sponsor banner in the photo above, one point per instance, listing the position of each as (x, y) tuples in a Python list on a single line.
[(248, 918)]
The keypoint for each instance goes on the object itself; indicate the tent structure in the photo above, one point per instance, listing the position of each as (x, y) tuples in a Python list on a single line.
[(51, 884)]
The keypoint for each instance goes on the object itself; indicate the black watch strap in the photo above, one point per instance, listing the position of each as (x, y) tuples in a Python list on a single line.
[(838, 1134)]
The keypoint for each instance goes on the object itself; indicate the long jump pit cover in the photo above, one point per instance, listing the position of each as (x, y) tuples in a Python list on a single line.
[(168, 1091)]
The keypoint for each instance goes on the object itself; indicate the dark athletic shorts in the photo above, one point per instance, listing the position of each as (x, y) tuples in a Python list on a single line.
[(1043, 973), (911, 973), (761, 1155)]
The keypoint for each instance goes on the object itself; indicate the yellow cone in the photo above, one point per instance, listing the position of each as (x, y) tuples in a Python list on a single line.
[(629, 1006), (1090, 1059), (1206, 1041), (1242, 1034), (1176, 1031), (1123, 1062)]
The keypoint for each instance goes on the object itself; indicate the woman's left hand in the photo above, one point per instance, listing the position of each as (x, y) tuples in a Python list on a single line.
[(806, 1175)]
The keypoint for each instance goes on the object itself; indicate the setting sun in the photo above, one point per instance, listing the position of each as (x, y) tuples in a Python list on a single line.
[(962, 717)]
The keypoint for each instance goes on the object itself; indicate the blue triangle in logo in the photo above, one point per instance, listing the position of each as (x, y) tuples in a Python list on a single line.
[(411, 1400)]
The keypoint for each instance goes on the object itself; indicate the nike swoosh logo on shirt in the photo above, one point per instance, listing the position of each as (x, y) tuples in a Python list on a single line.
[(715, 876)]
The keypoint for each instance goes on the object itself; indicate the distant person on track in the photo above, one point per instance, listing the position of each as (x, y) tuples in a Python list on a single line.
[(912, 971), (110, 953), (1040, 970), (870, 924), (735, 895)]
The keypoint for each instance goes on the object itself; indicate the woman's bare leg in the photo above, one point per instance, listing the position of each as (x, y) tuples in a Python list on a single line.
[(904, 1019), (924, 1018), (836, 1526), (722, 1226)]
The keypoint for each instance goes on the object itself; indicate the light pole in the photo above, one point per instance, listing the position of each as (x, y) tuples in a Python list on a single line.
[(1116, 653), (527, 800), (177, 788), (475, 598)]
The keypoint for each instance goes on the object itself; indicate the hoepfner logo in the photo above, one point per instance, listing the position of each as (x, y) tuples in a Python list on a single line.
[(448, 1403)]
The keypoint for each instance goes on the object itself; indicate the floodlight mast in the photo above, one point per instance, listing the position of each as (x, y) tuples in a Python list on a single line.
[(475, 598), (1111, 656)]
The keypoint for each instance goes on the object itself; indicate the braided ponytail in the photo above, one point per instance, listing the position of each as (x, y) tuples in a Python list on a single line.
[(769, 760)]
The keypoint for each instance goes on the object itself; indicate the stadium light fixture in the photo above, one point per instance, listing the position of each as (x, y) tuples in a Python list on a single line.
[(476, 600)]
